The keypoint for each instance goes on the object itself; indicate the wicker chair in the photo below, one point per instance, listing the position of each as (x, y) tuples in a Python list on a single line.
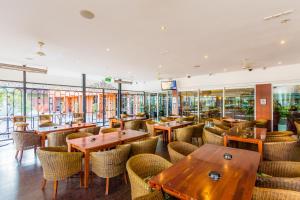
[(142, 167), (94, 130), (56, 139), (178, 150), (184, 134), (133, 125), (25, 140), (279, 133), (297, 125), (281, 150), (150, 129), (281, 175), (221, 127), (46, 121), (123, 116), (144, 146), (104, 130), (155, 195), (77, 118), (141, 114), (108, 164), (198, 132), (59, 165), (212, 136), (19, 123), (274, 194), (261, 123), (78, 135), (165, 119), (244, 125)]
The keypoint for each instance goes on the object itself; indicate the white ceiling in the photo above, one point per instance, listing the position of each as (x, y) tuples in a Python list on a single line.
[(226, 31)]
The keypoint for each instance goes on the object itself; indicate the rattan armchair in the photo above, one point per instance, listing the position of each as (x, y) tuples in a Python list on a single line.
[(279, 133), (133, 125), (58, 165), (184, 134), (94, 130), (198, 132), (46, 121), (297, 125), (77, 118), (178, 150), (274, 194), (261, 123), (25, 140), (212, 136), (56, 139), (78, 135), (280, 150), (244, 125), (141, 167), (150, 129), (147, 145), (104, 130), (155, 195), (108, 164), (19, 123), (281, 175)]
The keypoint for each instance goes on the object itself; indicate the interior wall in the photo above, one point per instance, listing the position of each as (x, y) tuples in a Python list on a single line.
[(264, 102)]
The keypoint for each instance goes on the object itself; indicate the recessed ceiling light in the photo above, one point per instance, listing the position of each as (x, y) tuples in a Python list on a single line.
[(163, 28), (279, 63), (159, 66), (210, 74), (196, 66), (87, 14), (225, 69), (164, 52), (107, 49), (285, 21), (206, 57), (282, 42), (29, 58)]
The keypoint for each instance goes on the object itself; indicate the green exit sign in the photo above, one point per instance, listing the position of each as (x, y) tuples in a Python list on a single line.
[(108, 80)]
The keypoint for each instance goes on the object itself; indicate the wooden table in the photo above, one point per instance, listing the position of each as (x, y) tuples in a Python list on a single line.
[(170, 126), (127, 119), (58, 129), (103, 141), (232, 122), (188, 179), (257, 136)]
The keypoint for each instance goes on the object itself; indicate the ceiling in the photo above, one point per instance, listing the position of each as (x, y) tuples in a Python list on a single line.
[(225, 31)]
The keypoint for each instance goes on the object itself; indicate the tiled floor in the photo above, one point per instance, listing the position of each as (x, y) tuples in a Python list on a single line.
[(23, 181)]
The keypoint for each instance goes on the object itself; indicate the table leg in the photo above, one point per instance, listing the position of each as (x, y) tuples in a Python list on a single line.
[(260, 149), (43, 140), (122, 125), (169, 135), (225, 141), (86, 169)]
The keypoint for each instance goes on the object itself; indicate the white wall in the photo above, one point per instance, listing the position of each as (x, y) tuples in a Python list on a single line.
[(276, 75)]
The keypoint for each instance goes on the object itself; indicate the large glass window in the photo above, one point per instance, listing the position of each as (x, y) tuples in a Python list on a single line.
[(132, 102), (188, 103), (239, 103), (286, 107), (211, 104), (162, 104)]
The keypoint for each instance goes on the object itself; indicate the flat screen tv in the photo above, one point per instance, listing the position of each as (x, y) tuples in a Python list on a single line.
[(168, 85)]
